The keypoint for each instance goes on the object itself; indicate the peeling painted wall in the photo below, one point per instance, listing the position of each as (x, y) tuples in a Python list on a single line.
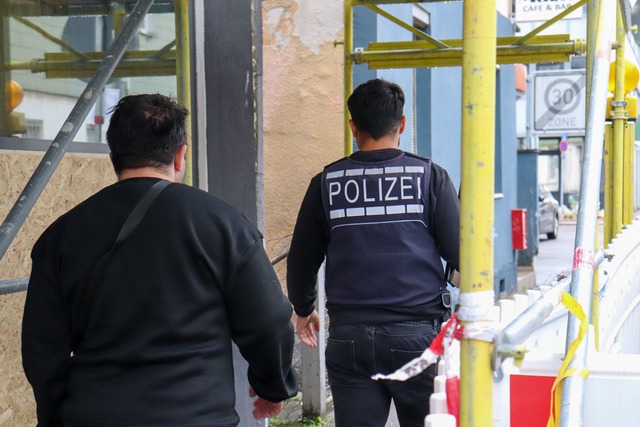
[(303, 105)]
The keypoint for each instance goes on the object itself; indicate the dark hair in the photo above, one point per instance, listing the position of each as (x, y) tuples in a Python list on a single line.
[(146, 130), (376, 107)]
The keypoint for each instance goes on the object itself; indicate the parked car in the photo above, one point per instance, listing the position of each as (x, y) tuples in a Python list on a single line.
[(548, 213)]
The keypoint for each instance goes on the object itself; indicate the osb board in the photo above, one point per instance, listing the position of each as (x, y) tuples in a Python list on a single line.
[(76, 178)]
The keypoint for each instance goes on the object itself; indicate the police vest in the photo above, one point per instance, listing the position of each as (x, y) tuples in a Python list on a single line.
[(381, 251)]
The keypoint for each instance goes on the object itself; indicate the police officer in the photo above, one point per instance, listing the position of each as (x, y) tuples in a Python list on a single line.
[(384, 219)]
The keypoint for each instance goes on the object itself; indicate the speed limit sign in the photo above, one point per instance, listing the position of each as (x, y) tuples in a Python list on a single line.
[(559, 102)]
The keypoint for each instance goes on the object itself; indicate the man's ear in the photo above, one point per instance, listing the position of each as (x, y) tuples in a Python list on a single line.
[(354, 128), (403, 123), (180, 159)]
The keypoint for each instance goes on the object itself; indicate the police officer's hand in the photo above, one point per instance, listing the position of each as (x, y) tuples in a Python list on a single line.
[(263, 408), (306, 327)]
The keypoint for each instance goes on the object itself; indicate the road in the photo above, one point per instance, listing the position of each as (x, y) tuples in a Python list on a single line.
[(555, 256)]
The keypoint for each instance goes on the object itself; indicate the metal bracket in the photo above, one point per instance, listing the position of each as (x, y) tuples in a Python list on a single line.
[(357, 55), (502, 351), (618, 103)]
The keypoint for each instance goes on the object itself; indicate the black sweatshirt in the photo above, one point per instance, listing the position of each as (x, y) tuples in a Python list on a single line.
[(311, 236), (157, 346)]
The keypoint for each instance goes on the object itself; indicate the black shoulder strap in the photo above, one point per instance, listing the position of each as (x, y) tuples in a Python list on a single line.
[(89, 291)]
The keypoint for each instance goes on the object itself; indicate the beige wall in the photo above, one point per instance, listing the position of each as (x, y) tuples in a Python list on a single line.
[(303, 105), (77, 177)]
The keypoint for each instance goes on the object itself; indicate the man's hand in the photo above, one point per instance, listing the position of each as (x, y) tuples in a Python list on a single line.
[(263, 408), (306, 327)]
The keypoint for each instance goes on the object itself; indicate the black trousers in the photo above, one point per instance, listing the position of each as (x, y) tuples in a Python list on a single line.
[(356, 352)]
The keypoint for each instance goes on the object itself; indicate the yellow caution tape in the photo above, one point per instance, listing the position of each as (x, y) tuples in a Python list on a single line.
[(556, 391)]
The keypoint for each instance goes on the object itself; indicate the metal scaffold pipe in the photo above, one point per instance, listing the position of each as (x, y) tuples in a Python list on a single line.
[(583, 258), (619, 118), (47, 166), (183, 75), (532, 317), (477, 209), (348, 73)]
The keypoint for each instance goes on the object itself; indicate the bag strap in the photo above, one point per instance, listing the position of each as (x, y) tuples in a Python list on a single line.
[(130, 224)]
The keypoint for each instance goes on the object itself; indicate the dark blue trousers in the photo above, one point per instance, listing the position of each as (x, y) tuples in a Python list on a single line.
[(356, 352)]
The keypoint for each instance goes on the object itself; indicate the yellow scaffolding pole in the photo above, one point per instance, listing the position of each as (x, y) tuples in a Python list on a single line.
[(348, 73), (477, 208), (65, 65), (415, 54), (619, 117), (183, 75), (629, 136), (608, 185)]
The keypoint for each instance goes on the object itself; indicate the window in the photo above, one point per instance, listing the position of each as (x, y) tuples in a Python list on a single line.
[(34, 129), (54, 51)]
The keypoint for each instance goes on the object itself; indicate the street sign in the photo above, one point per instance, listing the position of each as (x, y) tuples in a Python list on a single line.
[(559, 102), (539, 10)]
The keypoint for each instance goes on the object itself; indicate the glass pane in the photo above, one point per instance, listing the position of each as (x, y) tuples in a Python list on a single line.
[(549, 144), (55, 47), (548, 167)]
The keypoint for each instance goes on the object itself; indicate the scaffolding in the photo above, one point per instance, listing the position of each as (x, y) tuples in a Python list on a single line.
[(478, 53), (172, 59)]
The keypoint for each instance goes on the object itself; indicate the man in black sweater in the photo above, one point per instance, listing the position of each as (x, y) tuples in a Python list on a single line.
[(155, 343), (383, 219)]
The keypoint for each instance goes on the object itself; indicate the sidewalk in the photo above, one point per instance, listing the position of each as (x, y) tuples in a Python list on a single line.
[(554, 257)]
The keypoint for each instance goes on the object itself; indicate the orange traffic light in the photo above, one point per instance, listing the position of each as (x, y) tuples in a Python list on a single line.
[(14, 95)]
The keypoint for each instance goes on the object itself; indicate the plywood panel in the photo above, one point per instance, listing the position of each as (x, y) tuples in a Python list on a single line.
[(77, 177)]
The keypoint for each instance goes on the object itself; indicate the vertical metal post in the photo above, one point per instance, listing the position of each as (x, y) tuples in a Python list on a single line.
[(183, 75), (595, 294), (593, 10), (5, 74), (619, 118), (54, 154), (233, 107), (313, 369), (608, 184), (583, 257), (627, 214), (477, 207), (348, 73), (199, 136)]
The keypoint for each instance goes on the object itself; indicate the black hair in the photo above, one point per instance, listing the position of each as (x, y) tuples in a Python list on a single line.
[(376, 107), (146, 130)]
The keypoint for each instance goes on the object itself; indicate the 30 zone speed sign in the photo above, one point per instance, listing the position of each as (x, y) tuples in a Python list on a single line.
[(559, 102)]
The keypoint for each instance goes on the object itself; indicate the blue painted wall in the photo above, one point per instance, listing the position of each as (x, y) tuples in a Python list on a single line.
[(506, 270), (444, 105), (368, 27), (440, 134)]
